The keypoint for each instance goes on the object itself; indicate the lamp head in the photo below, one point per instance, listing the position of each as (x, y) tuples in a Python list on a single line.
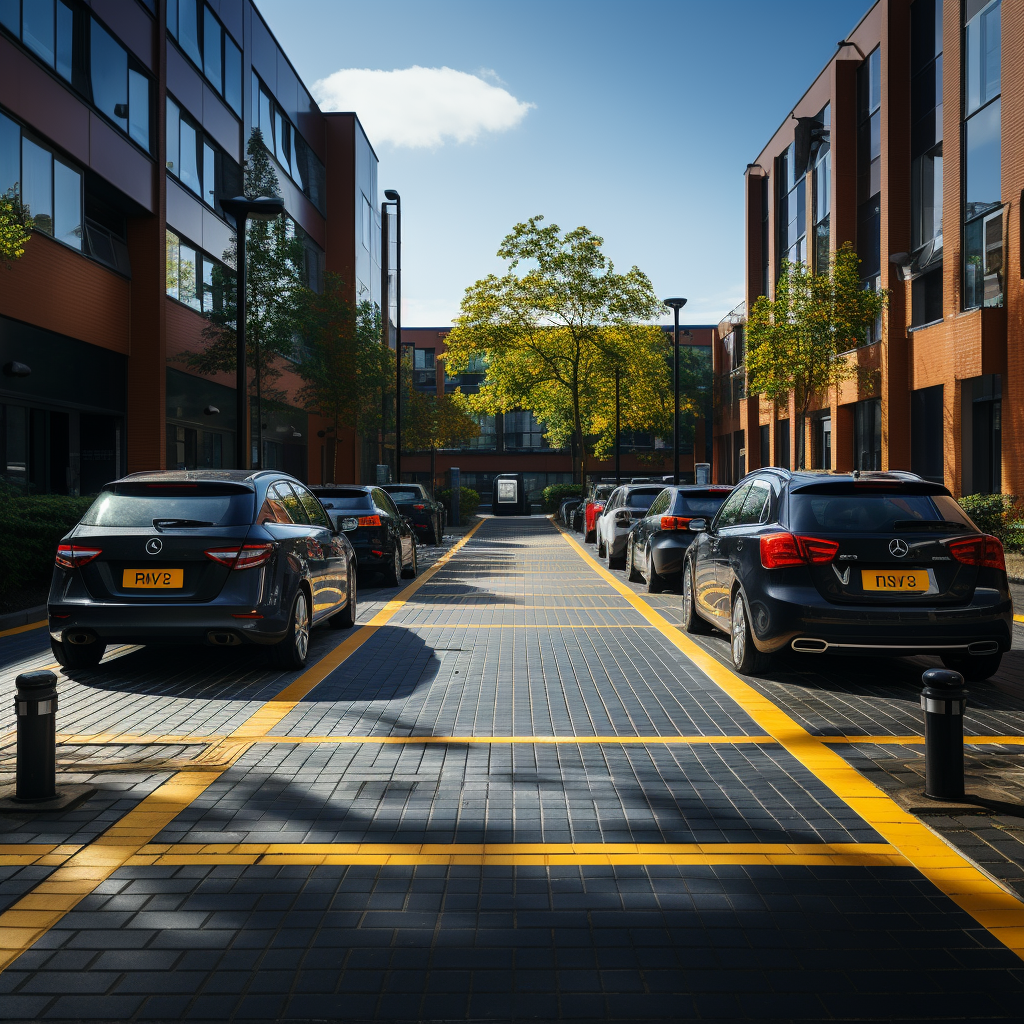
[(675, 303), (391, 194), (262, 208), (211, 410)]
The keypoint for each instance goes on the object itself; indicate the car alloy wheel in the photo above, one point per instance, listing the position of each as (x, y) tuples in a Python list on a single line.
[(292, 650), (746, 658), (692, 622), (739, 631), (300, 628), (631, 573)]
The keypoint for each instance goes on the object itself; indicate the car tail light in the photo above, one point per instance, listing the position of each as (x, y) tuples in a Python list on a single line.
[(70, 556), (984, 551), (369, 520), (781, 549), (419, 508), (248, 556), (674, 523), (597, 508)]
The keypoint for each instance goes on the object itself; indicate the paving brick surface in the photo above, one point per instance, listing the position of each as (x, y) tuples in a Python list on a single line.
[(515, 637)]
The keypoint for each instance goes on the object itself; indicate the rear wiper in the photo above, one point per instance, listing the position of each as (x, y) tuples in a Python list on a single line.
[(928, 524), (170, 524)]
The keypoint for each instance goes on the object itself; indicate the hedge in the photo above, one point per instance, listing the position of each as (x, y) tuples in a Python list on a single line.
[(998, 514), (554, 494), (469, 502), (30, 529)]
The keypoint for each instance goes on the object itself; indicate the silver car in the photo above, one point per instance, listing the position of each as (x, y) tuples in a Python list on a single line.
[(625, 507)]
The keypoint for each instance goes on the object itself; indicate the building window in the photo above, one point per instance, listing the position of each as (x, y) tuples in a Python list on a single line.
[(926, 433), (424, 371), (288, 147), (209, 46), (869, 168), (981, 445), (982, 136), (487, 439), (822, 199), (194, 278), (782, 444), (766, 454), (766, 255), (792, 209), (65, 37), (196, 162), (521, 430), (867, 434)]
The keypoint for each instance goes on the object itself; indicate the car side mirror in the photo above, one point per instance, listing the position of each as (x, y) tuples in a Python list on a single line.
[(698, 526), (623, 516)]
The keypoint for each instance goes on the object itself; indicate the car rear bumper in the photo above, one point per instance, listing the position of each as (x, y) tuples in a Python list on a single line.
[(799, 619), (210, 623), (667, 551)]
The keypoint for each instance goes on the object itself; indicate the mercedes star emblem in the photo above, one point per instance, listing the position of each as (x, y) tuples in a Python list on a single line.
[(898, 547), (154, 545)]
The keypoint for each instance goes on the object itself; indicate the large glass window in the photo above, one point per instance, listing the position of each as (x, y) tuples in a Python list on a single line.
[(792, 210), (982, 149), (822, 199), (522, 430), (208, 44), (196, 162), (765, 248), (869, 176), (926, 126), (193, 277)]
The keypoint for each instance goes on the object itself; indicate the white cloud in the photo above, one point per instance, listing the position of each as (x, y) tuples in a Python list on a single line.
[(421, 107)]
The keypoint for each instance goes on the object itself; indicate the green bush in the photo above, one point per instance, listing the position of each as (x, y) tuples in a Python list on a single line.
[(30, 529), (469, 502), (998, 514), (553, 495)]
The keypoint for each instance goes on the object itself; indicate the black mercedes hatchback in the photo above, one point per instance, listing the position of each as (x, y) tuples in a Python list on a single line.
[(861, 563), (221, 557)]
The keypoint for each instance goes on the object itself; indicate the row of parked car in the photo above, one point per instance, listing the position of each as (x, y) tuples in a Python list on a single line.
[(228, 557), (862, 563)]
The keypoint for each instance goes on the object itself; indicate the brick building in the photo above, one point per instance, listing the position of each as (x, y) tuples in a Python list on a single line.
[(941, 390), (125, 122), (514, 442)]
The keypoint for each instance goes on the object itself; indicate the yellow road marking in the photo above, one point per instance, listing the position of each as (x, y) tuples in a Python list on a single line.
[(1016, 618), (526, 625), (38, 911), (992, 906), (521, 854), (529, 740), (969, 741), (23, 629)]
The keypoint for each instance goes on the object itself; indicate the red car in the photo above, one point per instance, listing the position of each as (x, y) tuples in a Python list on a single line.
[(593, 507)]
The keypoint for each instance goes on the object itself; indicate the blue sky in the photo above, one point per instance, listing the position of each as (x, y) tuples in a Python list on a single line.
[(642, 117)]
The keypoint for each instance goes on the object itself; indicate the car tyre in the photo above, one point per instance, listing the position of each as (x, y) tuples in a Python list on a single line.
[(346, 618), (654, 583), (613, 561), (409, 571), (71, 656), (746, 658), (589, 536), (692, 622), (393, 571), (973, 667), (600, 547), (631, 571), (293, 650)]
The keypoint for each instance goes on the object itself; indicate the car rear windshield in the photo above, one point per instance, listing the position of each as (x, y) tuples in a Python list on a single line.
[(401, 497), (642, 499), (603, 492), (171, 506), (698, 504), (876, 512), (345, 499)]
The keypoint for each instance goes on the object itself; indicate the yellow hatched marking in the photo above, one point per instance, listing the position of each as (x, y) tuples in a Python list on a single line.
[(31, 917), (951, 872), (522, 854)]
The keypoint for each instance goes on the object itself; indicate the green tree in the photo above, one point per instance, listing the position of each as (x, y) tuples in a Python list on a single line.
[(274, 292), (14, 235), (344, 366), (548, 327), (797, 342)]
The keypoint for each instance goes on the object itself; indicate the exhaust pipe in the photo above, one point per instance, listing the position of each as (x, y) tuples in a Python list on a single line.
[(809, 645), (223, 639), (79, 637), (983, 647)]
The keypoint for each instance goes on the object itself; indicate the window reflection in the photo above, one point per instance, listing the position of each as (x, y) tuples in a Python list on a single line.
[(109, 73), (37, 185), (67, 205)]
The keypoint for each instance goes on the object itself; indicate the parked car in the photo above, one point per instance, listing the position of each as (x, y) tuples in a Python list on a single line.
[(426, 515), (626, 506), (221, 557), (567, 508), (381, 536), (593, 506), (657, 544), (862, 563)]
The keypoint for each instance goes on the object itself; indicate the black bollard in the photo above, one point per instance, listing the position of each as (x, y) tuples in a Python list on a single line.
[(943, 700), (36, 707)]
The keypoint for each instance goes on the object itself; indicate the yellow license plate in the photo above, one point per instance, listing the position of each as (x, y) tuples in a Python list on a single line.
[(153, 579), (908, 581)]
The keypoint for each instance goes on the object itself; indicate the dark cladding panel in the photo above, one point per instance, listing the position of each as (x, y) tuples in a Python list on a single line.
[(230, 14), (131, 24), (264, 52), (221, 124), (184, 213), (183, 82), (216, 235), (114, 158), (42, 102), (287, 88), (99, 377)]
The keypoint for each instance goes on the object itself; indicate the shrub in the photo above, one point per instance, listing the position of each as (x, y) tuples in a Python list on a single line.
[(469, 502), (553, 495), (998, 514), (30, 529)]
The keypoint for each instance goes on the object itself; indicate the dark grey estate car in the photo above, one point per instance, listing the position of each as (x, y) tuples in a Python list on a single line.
[(836, 563), (220, 557)]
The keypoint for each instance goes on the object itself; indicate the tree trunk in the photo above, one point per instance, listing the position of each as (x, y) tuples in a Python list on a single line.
[(433, 471)]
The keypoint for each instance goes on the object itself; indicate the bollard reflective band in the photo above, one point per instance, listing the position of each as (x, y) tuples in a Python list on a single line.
[(942, 707), (36, 707)]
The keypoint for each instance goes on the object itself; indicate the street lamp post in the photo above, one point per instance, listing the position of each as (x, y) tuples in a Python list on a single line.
[(240, 209), (394, 197), (618, 460), (675, 305)]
